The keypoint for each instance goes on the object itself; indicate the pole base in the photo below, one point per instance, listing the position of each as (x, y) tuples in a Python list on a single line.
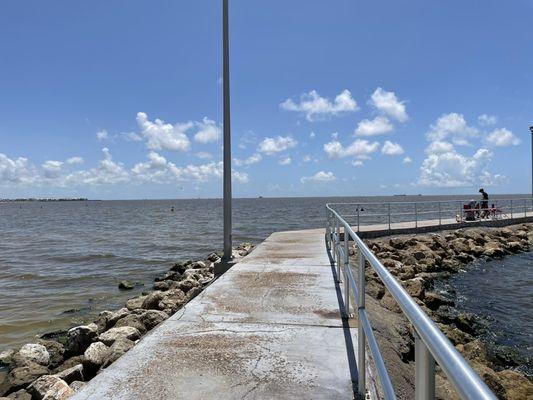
[(222, 266)]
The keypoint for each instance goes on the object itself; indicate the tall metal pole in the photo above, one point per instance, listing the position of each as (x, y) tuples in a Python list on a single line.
[(227, 136), (531, 130)]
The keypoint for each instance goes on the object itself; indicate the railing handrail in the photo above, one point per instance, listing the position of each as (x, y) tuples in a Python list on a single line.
[(462, 376), (363, 203)]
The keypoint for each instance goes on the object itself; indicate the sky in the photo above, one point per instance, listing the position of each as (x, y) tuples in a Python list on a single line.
[(123, 100)]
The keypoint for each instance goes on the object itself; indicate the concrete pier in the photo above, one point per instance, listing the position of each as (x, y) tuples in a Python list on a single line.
[(269, 328)]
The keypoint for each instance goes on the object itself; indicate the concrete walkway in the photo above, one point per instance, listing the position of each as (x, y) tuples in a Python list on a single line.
[(270, 328)]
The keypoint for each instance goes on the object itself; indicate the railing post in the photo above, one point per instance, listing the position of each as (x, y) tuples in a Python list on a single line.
[(346, 280), (511, 208), (525, 208), (337, 240), (424, 371), (416, 215), (440, 214), (339, 261), (460, 213), (389, 216), (358, 217), (328, 229), (361, 340)]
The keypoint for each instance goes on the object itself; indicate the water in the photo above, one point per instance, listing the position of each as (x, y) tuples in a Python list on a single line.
[(60, 262), (502, 292)]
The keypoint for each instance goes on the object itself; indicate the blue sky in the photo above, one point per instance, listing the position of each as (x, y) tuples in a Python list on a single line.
[(114, 99)]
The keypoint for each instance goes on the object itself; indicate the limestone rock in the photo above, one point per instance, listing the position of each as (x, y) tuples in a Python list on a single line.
[(50, 387), (132, 320), (135, 303), (56, 351), (77, 385), (21, 376), (95, 355), (6, 357), (151, 318), (415, 287), (19, 395), (126, 285), (36, 353), (81, 337), (127, 332), (516, 386), (151, 301), (117, 349), (72, 374)]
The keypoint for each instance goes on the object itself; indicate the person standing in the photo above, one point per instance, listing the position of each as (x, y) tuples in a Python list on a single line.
[(484, 203)]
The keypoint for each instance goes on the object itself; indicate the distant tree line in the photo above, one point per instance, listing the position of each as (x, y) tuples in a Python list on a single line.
[(37, 199)]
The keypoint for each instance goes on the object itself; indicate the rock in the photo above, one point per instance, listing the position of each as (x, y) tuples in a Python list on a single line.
[(31, 352), (516, 386), (115, 316), (126, 285), (169, 276), (81, 337), (493, 250), (470, 323), (72, 374), (56, 351), (117, 349), (128, 332), (187, 284), (455, 335), (435, 300), (415, 287), (474, 351), (50, 387), (213, 257), (172, 300), (191, 294), (95, 356), (102, 321), (151, 318), (6, 357), (135, 303), (162, 285), (181, 267), (198, 265), (19, 377), (71, 362), (19, 395), (389, 303), (132, 320), (77, 385), (151, 301)]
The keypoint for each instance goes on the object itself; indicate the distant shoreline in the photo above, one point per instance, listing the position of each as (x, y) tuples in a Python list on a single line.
[(40, 200)]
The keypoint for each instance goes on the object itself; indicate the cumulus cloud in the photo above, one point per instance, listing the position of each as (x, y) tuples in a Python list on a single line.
[(407, 160), (359, 148), (253, 159), (285, 161), (485, 119), (321, 176), (204, 155), (51, 168), (74, 160), (439, 146), (452, 169), (392, 149), (388, 103), (452, 126), (278, 144), (502, 137), (208, 131), (312, 135), (16, 171), (102, 135), (377, 126), (315, 107), (163, 136)]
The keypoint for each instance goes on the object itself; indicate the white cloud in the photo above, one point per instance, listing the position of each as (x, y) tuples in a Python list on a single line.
[(74, 160), (312, 135), (378, 126), (451, 169), (205, 172), (285, 161), (106, 172), (439, 146), (52, 169), (321, 176), (407, 160), (485, 119), (502, 137), (241, 177), (16, 171), (253, 159), (204, 155), (102, 135), (155, 170), (454, 127), (392, 149), (360, 148), (271, 146), (208, 131), (162, 136), (388, 103), (316, 107), (357, 163)]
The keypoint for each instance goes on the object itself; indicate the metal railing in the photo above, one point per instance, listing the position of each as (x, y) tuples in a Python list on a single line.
[(430, 343), (440, 212)]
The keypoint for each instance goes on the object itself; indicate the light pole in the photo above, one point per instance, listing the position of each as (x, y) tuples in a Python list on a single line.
[(531, 130), (227, 135)]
